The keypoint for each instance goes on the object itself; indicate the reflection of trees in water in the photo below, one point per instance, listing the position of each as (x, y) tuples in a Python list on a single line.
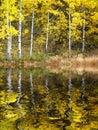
[(53, 103), (69, 97), (9, 79), (76, 113), (32, 93), (83, 90), (47, 95), (84, 119), (19, 88), (20, 119)]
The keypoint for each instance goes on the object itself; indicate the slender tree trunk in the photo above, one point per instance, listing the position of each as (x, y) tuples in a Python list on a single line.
[(32, 33), (20, 31), (19, 88), (47, 35), (83, 30), (9, 45), (9, 79), (69, 37), (9, 48)]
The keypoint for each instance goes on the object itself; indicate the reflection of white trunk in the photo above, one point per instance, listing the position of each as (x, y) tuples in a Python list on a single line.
[(69, 86), (19, 88), (9, 48), (83, 32), (32, 92), (47, 35), (83, 89), (47, 92), (9, 79), (69, 97), (69, 35), (46, 84), (32, 33), (20, 30)]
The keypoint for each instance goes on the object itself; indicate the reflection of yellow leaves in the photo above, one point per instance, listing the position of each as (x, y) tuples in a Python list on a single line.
[(8, 97), (53, 118), (69, 128), (41, 89), (10, 114), (11, 97), (8, 123), (45, 125)]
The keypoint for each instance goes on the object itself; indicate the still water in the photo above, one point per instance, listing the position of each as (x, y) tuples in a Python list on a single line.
[(38, 100)]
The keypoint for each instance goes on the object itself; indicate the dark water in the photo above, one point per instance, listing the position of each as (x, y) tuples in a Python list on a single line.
[(38, 100)]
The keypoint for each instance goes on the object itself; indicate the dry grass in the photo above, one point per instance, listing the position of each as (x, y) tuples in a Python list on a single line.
[(87, 62), (58, 64)]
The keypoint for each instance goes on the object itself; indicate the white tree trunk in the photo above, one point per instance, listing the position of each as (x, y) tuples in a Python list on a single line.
[(9, 45), (69, 35), (83, 30), (9, 79), (20, 31), (47, 35), (32, 33)]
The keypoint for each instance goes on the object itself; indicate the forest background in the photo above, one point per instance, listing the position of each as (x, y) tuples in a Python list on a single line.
[(31, 29)]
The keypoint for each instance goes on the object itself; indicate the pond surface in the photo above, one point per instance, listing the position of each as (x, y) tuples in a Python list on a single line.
[(38, 100)]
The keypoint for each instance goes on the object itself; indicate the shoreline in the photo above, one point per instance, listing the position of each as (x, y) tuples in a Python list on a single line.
[(79, 64), (57, 64)]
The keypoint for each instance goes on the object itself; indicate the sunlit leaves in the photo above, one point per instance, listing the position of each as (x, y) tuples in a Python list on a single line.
[(58, 21)]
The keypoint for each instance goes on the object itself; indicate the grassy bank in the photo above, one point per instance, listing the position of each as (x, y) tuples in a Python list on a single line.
[(55, 63)]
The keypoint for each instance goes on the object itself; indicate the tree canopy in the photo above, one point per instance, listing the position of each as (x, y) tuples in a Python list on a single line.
[(58, 31)]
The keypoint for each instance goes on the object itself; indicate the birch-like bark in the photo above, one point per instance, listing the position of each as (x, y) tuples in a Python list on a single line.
[(69, 34), (9, 79), (32, 34), (19, 88), (83, 30), (9, 45), (20, 31)]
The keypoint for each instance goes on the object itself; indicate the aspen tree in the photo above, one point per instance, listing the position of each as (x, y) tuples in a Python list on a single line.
[(69, 34), (47, 34), (9, 48), (32, 32), (83, 28), (20, 31)]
